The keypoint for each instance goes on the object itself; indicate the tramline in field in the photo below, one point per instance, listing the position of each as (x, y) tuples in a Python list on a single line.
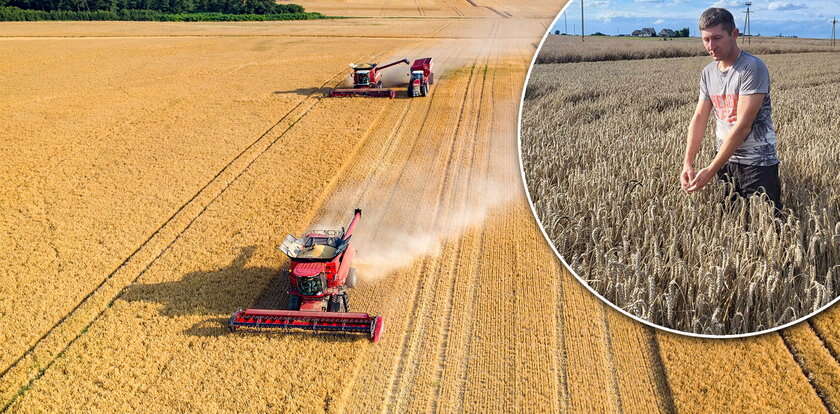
[(319, 275)]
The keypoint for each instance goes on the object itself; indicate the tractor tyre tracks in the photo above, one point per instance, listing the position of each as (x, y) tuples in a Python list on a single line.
[(817, 360), (432, 285), (399, 175)]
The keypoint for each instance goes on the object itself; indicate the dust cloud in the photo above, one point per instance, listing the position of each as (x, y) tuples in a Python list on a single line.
[(409, 211), (404, 220)]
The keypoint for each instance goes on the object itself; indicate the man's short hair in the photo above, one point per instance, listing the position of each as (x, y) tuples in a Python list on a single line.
[(717, 16)]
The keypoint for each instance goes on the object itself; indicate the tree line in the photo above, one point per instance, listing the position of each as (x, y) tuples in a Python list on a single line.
[(260, 7)]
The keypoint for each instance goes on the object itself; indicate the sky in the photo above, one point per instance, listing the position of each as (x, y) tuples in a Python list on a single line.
[(803, 18)]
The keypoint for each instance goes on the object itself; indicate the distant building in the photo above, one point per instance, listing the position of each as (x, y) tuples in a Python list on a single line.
[(667, 33), (645, 32)]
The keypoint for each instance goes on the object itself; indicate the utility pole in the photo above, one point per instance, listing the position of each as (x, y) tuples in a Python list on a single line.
[(565, 23), (747, 21), (581, 20), (833, 32)]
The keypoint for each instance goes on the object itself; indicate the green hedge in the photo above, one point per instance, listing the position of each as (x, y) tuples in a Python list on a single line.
[(18, 14)]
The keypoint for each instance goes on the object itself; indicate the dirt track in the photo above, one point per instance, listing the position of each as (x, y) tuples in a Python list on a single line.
[(147, 181)]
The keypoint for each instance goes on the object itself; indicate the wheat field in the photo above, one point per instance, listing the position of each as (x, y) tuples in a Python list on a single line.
[(602, 147), (150, 170), (566, 49)]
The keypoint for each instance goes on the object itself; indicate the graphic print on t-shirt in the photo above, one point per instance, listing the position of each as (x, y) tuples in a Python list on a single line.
[(726, 107)]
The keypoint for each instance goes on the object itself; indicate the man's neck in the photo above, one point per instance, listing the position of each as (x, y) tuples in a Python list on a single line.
[(727, 63)]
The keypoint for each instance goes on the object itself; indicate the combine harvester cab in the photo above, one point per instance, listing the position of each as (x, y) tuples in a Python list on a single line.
[(422, 77), (319, 275), (367, 81)]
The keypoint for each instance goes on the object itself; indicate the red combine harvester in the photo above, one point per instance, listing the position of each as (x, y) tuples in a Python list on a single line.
[(319, 276), (421, 77), (367, 81)]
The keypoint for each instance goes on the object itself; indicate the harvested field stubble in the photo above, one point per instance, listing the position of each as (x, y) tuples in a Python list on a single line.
[(602, 163)]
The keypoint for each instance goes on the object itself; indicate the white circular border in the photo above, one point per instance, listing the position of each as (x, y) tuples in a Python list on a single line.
[(562, 259)]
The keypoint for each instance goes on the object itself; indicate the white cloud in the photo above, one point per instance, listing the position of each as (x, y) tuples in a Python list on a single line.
[(659, 21), (726, 4), (785, 6), (602, 4)]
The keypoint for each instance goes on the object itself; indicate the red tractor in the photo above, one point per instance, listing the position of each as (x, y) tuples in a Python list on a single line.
[(421, 77), (319, 276), (367, 81)]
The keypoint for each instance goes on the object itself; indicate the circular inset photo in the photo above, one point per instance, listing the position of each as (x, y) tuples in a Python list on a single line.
[(689, 175)]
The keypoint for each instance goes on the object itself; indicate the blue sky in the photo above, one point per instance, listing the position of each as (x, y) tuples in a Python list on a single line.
[(803, 18)]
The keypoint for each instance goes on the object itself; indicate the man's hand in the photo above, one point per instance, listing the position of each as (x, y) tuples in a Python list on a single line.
[(701, 179), (687, 176), (696, 129)]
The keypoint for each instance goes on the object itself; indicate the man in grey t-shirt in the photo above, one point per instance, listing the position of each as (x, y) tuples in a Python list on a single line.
[(737, 87)]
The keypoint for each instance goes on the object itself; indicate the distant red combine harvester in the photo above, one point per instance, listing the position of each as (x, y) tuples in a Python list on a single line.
[(367, 80), (319, 276)]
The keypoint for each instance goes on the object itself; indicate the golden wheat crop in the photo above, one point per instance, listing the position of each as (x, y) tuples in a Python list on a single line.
[(482, 318), (565, 49), (602, 145)]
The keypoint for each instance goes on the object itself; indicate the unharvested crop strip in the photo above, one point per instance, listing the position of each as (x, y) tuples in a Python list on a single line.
[(122, 265)]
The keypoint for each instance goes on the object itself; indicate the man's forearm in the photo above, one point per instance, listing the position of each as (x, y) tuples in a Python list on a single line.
[(693, 141)]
